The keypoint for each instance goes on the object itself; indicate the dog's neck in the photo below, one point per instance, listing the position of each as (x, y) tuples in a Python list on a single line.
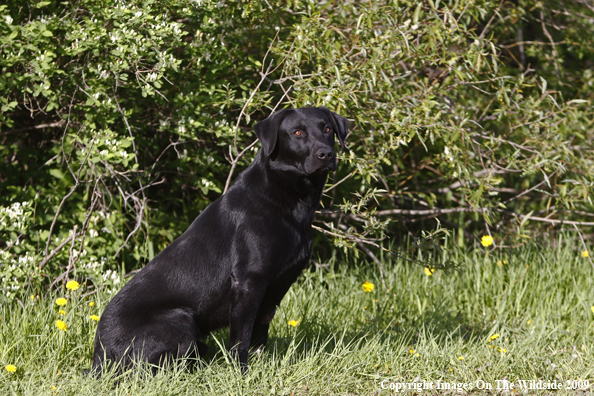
[(280, 187), (293, 182)]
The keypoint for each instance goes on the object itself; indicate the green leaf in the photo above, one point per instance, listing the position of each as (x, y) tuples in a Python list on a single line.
[(417, 13), (526, 218), (10, 106), (544, 85), (57, 173)]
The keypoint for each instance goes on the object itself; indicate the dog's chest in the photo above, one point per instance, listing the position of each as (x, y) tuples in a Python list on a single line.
[(293, 248)]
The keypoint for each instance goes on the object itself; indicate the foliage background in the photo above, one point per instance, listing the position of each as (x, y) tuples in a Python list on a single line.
[(121, 120)]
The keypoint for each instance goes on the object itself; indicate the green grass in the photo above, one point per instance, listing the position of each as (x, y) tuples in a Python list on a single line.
[(348, 341)]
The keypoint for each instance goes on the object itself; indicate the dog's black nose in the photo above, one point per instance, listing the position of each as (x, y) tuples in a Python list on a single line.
[(325, 154)]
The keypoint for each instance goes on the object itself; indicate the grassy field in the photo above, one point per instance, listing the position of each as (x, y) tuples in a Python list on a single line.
[(521, 315)]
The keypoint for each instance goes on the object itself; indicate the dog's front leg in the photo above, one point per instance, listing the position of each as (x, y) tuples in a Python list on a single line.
[(247, 296)]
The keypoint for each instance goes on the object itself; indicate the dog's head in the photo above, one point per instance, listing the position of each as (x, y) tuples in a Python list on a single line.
[(302, 140)]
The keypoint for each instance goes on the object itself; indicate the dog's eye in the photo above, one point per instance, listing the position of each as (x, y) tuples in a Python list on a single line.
[(298, 132), (327, 130)]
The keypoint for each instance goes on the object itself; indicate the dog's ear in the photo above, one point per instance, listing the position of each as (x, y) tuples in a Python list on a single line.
[(267, 131), (340, 124)]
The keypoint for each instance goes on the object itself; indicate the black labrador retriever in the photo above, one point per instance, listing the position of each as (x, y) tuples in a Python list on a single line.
[(237, 260)]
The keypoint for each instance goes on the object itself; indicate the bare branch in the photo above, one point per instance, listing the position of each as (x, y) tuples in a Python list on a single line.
[(264, 76), (56, 250), (234, 164), (140, 206), (71, 256), (426, 212), (95, 197), (495, 13), (438, 212), (340, 181), (241, 115), (368, 252), (76, 184), (546, 32), (550, 221), (57, 124), (530, 189)]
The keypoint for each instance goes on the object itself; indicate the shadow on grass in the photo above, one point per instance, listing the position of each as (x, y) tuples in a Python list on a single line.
[(440, 324)]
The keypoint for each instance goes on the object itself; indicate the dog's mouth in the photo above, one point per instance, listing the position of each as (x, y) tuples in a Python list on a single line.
[(316, 166), (327, 168)]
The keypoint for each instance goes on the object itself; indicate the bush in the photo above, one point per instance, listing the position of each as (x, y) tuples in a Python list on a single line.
[(107, 108), (121, 120), (474, 109)]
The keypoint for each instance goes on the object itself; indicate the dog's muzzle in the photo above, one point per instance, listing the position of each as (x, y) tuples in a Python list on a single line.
[(326, 156)]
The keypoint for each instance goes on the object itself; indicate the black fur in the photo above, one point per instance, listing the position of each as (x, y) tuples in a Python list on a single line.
[(237, 260)]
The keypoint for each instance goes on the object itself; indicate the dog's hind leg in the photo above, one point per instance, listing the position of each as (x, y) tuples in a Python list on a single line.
[(168, 335)]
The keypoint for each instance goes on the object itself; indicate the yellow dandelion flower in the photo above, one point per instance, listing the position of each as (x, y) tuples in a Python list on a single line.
[(495, 336), (411, 351), (32, 297), (429, 271), (585, 253), (60, 324), (502, 350), (528, 322), (294, 323), (487, 240), (368, 287), (460, 357), (592, 308), (72, 285), (94, 317), (92, 304), (61, 301), (61, 312), (11, 368)]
